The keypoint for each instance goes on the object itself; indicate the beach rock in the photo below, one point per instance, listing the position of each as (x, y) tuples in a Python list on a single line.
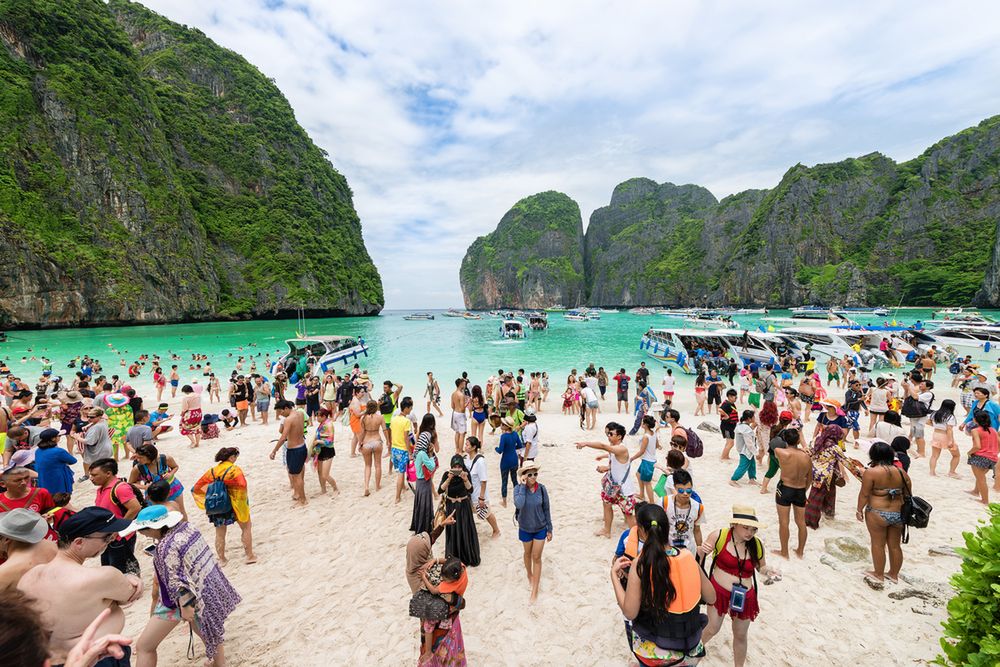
[(534, 258), (920, 610), (926, 595), (153, 176), (831, 562), (846, 549), (943, 551), (709, 427)]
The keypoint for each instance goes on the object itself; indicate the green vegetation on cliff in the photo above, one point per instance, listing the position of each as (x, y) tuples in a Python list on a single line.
[(163, 173), (534, 258)]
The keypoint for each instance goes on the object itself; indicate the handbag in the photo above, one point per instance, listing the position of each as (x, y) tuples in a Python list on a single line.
[(411, 472), (427, 606), (916, 512), (661, 486), (610, 487)]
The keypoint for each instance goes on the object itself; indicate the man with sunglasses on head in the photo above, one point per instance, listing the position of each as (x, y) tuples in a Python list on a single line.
[(70, 595)]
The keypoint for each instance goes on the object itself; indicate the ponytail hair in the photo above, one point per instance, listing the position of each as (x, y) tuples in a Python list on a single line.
[(653, 565)]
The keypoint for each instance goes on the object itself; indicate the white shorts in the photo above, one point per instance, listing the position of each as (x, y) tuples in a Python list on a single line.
[(458, 422)]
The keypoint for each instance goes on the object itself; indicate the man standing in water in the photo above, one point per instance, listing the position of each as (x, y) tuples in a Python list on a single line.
[(175, 380), (796, 475), (293, 436), (459, 422), (433, 394), (70, 595)]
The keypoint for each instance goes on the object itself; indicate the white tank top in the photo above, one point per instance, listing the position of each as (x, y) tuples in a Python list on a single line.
[(623, 474)]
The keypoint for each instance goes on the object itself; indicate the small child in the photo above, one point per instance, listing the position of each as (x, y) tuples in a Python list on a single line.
[(62, 510), (228, 419), (567, 397), (454, 581), (158, 493), (679, 444)]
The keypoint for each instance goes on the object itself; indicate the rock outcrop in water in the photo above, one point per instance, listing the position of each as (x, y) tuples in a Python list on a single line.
[(149, 175), (864, 230), (533, 259)]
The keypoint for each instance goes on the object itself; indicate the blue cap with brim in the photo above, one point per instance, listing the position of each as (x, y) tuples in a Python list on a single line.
[(91, 520)]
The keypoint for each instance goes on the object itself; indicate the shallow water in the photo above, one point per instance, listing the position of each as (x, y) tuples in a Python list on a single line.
[(400, 350)]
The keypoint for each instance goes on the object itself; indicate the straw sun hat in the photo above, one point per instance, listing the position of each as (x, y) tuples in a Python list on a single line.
[(745, 515), (529, 466)]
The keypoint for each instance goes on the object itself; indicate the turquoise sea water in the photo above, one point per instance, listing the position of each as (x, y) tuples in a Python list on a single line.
[(400, 350)]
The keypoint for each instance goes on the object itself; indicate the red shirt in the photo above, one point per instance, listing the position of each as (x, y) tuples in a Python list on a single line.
[(38, 500), (123, 493)]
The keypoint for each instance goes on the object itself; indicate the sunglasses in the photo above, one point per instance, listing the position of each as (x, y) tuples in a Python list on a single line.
[(685, 491), (531, 474)]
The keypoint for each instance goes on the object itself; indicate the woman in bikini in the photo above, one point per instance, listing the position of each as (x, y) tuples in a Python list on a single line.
[(478, 404), (880, 504), (699, 393), (807, 393), (370, 435)]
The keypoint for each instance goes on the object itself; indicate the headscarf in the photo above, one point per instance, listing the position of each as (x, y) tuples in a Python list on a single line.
[(418, 552)]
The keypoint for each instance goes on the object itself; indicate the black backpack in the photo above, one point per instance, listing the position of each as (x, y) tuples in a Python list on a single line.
[(694, 448), (916, 511), (135, 489), (385, 405), (916, 409)]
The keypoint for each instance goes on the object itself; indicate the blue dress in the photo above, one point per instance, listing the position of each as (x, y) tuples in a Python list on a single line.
[(53, 467)]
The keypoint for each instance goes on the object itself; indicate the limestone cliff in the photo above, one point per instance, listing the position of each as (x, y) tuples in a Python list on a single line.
[(148, 175), (533, 259)]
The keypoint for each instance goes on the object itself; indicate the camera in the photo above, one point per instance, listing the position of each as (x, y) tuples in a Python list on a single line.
[(738, 598)]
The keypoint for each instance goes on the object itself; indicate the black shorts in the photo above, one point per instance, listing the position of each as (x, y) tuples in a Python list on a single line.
[(603, 390), (787, 496), (623, 396), (728, 430), (326, 453), (714, 398), (295, 459)]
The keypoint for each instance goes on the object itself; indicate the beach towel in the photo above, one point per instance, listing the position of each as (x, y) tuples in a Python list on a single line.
[(236, 484)]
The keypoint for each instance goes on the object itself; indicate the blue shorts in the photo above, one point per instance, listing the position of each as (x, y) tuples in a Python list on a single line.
[(174, 383), (400, 459), (525, 536), (852, 420), (646, 471), (295, 459)]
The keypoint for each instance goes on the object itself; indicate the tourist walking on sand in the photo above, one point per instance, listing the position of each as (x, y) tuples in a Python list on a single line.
[(356, 409), (790, 495), (508, 448), (223, 514), (475, 463), (828, 474), (461, 539), (534, 522), (618, 486), (729, 417), (646, 454), (52, 463), (370, 438), (93, 441), (189, 585), (621, 383), (120, 419), (191, 415), (878, 404), (745, 440), (880, 505), (296, 452), (323, 449), (737, 556), (771, 438), (983, 456), (478, 412), (459, 421), (433, 394), (70, 594), (944, 423), (659, 590), (401, 428), (150, 466), (425, 462), (116, 496)]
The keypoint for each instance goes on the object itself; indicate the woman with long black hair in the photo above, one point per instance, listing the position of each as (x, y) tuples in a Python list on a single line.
[(660, 594), (461, 539), (425, 463)]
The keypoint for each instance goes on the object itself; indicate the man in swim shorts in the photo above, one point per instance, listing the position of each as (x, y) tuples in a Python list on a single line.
[(401, 429), (293, 437), (459, 421), (796, 474), (175, 380)]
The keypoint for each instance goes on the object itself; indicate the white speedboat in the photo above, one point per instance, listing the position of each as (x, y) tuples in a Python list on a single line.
[(706, 322), (642, 310), (451, 312), (471, 316), (511, 329), (810, 312), (981, 342), (686, 349), (758, 347), (558, 308), (591, 313), (418, 316), (880, 311), (826, 343), (576, 316), (952, 312), (325, 351)]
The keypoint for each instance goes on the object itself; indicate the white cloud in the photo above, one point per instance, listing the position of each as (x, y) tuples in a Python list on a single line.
[(441, 115)]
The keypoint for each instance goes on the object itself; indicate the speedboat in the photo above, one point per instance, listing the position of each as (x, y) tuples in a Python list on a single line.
[(966, 319), (642, 310), (324, 351), (511, 329), (981, 342), (558, 308), (810, 312), (538, 321), (880, 311), (687, 350), (418, 316), (471, 316), (952, 312), (576, 316), (591, 313), (758, 345), (452, 312), (708, 322), (824, 344)]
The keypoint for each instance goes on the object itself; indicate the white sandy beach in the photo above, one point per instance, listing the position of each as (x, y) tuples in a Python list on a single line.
[(329, 588)]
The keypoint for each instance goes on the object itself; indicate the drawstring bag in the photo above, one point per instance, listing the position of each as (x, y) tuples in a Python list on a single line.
[(661, 486)]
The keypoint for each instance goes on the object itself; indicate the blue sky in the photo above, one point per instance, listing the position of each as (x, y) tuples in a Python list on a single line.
[(443, 114)]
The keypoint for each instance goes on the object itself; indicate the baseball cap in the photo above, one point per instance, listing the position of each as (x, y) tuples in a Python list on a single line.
[(49, 434), (786, 415), (91, 520)]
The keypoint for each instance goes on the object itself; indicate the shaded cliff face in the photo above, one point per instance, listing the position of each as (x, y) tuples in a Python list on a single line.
[(534, 258), (148, 175), (864, 230)]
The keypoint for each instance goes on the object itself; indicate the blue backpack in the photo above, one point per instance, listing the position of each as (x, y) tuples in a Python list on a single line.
[(217, 500)]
